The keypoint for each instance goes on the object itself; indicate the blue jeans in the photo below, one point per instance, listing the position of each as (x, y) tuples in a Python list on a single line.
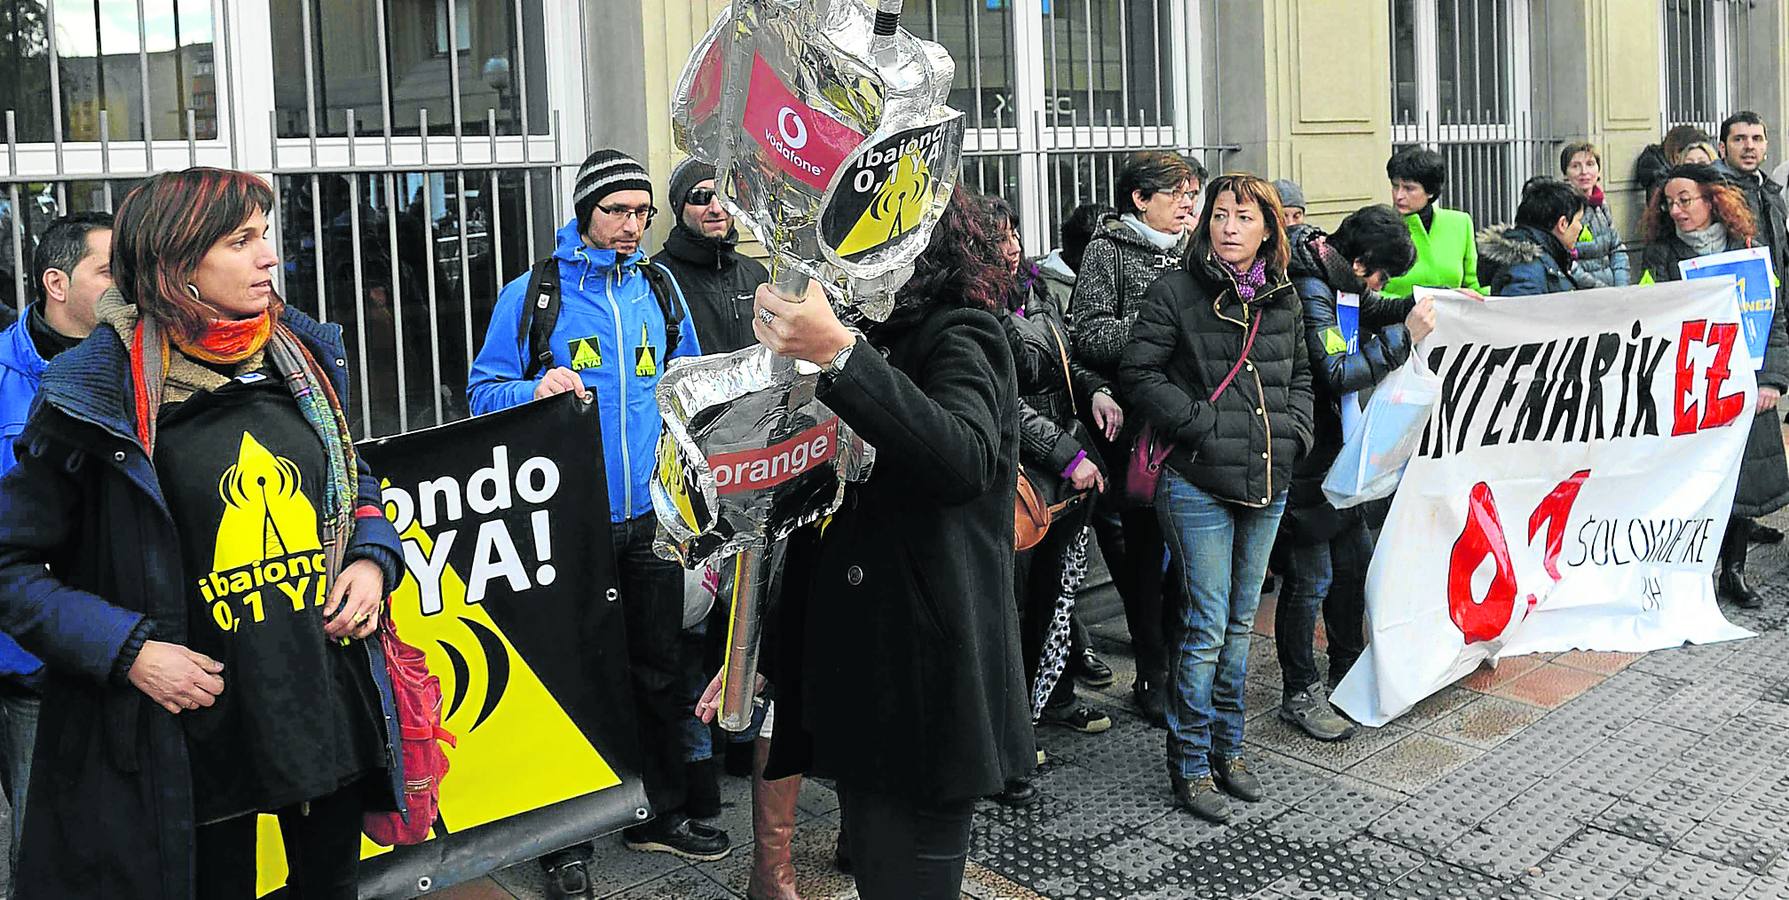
[(1331, 575), (18, 738), (1220, 553)]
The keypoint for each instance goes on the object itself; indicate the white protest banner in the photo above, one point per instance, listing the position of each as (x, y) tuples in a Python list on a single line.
[(1570, 490)]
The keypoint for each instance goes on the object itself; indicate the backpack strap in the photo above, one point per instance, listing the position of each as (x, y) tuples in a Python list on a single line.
[(540, 312), (670, 304)]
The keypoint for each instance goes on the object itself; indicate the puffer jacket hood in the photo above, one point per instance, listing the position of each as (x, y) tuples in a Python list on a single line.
[(1520, 260)]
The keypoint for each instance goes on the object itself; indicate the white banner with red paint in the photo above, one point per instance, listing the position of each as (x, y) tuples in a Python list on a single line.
[(1570, 491)]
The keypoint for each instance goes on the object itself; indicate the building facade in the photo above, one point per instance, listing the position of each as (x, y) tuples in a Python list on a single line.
[(420, 149)]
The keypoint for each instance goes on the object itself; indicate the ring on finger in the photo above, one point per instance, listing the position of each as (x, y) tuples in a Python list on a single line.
[(766, 316)]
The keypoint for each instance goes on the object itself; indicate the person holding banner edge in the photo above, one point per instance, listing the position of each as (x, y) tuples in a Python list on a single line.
[(1329, 548), (1218, 365), (895, 649), (199, 435), (613, 336), (1698, 212)]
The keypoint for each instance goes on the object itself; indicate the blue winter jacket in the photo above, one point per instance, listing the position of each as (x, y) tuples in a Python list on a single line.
[(611, 332), (21, 373)]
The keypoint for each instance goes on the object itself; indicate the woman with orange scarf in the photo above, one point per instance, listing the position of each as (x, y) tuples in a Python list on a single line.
[(192, 546)]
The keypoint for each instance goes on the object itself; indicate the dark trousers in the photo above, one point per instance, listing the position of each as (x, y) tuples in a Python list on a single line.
[(904, 851), (322, 840), (1037, 585), (652, 606), (1132, 544), (1331, 575)]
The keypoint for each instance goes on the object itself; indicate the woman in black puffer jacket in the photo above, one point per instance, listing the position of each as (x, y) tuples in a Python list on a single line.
[(1217, 364)]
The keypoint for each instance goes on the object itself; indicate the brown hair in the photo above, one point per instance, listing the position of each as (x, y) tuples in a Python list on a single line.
[(1680, 138), (1275, 249), (1573, 149), (164, 229), (1150, 171), (1728, 203)]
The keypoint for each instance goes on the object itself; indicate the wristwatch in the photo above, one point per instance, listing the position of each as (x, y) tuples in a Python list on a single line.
[(837, 363)]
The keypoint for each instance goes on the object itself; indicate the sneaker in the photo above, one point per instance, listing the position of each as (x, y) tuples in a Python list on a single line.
[(1019, 794), (1234, 777), (1309, 709), (1151, 702), (1091, 670), (1078, 717), (681, 836), (1201, 798)]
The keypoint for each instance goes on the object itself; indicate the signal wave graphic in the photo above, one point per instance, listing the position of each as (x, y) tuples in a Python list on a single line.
[(899, 207)]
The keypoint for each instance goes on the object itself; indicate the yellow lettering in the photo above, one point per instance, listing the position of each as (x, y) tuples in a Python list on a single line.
[(253, 601), (295, 593)]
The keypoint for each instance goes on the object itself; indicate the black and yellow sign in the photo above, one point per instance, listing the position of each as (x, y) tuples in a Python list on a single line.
[(511, 590), (888, 190), (586, 353), (645, 356)]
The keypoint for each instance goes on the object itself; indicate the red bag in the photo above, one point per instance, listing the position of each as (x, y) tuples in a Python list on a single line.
[(1150, 452), (416, 696)]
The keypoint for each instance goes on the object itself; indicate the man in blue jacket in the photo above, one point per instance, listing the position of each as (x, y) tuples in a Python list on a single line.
[(70, 269), (610, 338)]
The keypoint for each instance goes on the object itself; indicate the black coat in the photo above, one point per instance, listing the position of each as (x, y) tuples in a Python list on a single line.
[(717, 283), (1764, 475), (87, 551), (896, 646), (1318, 272), (1189, 334)]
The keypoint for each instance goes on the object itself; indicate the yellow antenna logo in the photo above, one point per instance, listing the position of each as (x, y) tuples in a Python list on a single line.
[(899, 207)]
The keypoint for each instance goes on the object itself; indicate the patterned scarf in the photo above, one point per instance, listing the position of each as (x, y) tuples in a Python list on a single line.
[(159, 375), (1250, 282)]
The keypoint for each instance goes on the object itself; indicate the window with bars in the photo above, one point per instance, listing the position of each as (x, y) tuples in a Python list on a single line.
[(1460, 75), (403, 234), (1704, 55), (1058, 92)]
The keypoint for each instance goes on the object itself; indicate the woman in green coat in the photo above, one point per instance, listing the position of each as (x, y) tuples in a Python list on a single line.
[(1446, 256)]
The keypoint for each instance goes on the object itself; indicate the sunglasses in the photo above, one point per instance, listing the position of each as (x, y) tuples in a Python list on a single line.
[(699, 197)]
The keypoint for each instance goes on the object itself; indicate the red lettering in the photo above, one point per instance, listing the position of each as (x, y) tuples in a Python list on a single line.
[(1481, 620), (1683, 417), (1721, 410), (1554, 509)]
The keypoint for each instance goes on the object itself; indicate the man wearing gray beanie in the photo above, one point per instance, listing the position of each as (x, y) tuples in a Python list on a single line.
[(1291, 202), (597, 317)]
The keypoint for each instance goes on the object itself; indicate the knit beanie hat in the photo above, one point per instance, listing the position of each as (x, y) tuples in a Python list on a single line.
[(688, 174), (1290, 193), (603, 173)]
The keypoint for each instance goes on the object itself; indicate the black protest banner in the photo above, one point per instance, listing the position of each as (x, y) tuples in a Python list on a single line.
[(511, 590)]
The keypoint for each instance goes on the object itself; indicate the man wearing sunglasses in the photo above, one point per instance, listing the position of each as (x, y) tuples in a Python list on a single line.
[(702, 251), (597, 317)]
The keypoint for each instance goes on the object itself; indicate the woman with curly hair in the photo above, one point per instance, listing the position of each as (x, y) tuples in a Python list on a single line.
[(896, 644), (1695, 213)]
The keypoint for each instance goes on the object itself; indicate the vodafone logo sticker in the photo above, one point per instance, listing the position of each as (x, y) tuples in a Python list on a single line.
[(792, 128), (751, 470), (801, 141)]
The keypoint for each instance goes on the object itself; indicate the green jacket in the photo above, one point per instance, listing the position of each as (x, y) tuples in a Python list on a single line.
[(1446, 256)]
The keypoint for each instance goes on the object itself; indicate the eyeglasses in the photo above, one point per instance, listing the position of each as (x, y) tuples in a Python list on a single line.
[(1676, 203), (1178, 196), (699, 197), (644, 213)]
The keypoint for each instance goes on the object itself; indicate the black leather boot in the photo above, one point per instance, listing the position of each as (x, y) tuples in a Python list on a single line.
[(1731, 583)]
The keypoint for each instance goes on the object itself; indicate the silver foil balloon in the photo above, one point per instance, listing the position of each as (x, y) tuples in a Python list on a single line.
[(827, 126)]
